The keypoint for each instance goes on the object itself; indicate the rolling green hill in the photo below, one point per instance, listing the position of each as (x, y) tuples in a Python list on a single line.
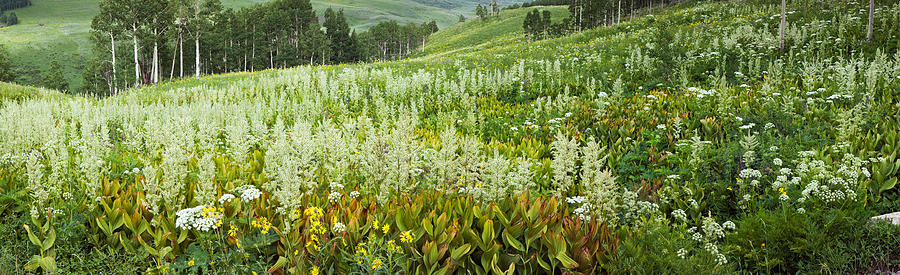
[(475, 33), (59, 30)]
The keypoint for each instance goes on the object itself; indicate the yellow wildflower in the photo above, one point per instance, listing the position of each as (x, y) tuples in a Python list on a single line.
[(191, 263), (376, 264), (314, 271), (263, 224), (406, 237), (233, 231), (385, 228), (392, 246)]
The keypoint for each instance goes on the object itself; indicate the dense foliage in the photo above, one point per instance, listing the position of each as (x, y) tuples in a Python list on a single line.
[(8, 20), (539, 25), (54, 79), (681, 142), (13, 4), (6, 67)]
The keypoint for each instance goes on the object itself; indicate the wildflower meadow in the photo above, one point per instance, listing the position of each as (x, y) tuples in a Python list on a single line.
[(680, 141)]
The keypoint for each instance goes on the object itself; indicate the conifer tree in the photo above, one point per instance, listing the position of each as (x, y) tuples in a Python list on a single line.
[(6, 69), (342, 45), (54, 78), (481, 11)]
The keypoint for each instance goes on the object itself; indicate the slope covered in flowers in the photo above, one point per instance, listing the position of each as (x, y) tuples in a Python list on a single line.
[(676, 142)]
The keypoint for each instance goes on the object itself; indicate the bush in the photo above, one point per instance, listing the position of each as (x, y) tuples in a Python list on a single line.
[(784, 240)]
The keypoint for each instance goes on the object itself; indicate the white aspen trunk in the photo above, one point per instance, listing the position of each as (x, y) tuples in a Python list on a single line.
[(871, 26), (253, 52), (155, 62), (154, 70), (197, 56), (137, 64), (580, 15), (115, 86), (225, 61), (172, 71), (154, 75), (781, 26), (181, 53), (619, 18)]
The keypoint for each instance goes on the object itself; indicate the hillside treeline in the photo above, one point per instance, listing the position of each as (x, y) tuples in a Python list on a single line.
[(140, 42), (13, 4)]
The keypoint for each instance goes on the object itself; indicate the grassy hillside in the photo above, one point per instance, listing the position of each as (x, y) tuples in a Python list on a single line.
[(683, 142), (51, 30), (59, 30), (475, 33)]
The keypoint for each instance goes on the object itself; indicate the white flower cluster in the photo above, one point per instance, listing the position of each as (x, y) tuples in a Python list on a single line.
[(565, 153), (206, 187), (729, 225), (750, 173), (713, 230), (34, 169), (634, 209), (338, 228), (249, 193), (714, 250), (827, 184), (201, 217), (289, 163), (584, 212), (679, 215), (227, 197), (575, 199), (711, 233), (682, 253), (336, 186), (701, 93), (334, 197), (520, 178)]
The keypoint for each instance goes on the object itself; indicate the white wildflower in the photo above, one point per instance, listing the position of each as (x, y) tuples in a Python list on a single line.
[(338, 228), (227, 197), (250, 193), (679, 215)]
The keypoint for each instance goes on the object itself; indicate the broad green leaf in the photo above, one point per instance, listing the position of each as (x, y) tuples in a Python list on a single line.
[(49, 240), (458, 252), (888, 185), (566, 261), (511, 241), (34, 239)]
